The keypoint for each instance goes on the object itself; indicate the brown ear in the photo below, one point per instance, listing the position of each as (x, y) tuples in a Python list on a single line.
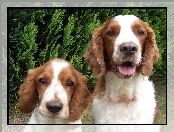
[(94, 54), (81, 99), (151, 52), (27, 94)]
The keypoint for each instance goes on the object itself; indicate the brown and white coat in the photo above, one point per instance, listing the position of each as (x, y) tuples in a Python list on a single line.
[(55, 93), (121, 54)]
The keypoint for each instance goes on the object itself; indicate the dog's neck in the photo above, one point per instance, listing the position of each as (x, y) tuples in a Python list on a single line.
[(122, 89)]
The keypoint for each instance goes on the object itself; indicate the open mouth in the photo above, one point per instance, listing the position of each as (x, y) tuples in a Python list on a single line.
[(125, 70)]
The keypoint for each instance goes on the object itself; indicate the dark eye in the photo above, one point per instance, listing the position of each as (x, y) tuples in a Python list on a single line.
[(42, 81), (111, 33), (70, 83), (140, 32)]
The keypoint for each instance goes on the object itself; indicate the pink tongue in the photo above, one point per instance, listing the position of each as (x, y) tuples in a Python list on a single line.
[(127, 70)]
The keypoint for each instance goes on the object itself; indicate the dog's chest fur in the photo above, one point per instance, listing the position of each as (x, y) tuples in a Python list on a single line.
[(125, 102)]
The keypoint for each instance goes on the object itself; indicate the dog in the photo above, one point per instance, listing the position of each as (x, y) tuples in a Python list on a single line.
[(121, 54), (55, 93)]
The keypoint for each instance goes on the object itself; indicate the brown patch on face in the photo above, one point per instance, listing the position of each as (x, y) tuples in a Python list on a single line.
[(43, 80), (34, 86), (68, 80), (101, 47), (75, 86), (110, 31), (139, 30)]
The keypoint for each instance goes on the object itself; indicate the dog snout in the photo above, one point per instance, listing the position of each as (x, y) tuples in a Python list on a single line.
[(54, 107), (128, 49)]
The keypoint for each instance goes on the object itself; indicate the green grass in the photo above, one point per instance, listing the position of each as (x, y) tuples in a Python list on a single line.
[(15, 117), (87, 117), (161, 101)]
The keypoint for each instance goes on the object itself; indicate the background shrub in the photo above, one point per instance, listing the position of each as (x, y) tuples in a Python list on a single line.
[(39, 34)]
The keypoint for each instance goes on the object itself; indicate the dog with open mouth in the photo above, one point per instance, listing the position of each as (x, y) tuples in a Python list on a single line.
[(121, 54)]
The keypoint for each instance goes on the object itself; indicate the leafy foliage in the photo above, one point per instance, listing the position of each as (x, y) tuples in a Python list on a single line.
[(39, 34)]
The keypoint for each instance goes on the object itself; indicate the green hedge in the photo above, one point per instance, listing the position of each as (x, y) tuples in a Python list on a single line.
[(37, 35)]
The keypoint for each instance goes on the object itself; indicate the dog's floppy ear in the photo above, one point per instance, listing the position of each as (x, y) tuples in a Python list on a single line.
[(94, 54), (27, 93), (151, 52), (81, 99)]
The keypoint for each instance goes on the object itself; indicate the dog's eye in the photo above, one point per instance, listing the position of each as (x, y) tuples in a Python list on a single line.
[(110, 33), (140, 32), (70, 83), (42, 81)]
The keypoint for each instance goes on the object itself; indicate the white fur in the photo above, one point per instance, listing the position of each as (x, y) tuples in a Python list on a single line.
[(55, 89), (109, 110), (127, 128), (38, 119), (139, 111), (125, 100), (126, 35)]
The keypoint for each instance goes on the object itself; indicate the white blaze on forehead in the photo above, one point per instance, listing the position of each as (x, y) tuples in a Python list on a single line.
[(55, 89), (126, 33), (57, 67), (125, 19)]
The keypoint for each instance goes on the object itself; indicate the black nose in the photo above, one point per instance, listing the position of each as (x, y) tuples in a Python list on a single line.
[(128, 48), (54, 106)]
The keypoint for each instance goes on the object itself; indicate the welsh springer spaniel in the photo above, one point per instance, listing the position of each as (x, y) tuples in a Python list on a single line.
[(58, 94), (122, 54)]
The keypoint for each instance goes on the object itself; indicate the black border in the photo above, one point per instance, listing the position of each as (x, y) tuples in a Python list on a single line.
[(8, 8)]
